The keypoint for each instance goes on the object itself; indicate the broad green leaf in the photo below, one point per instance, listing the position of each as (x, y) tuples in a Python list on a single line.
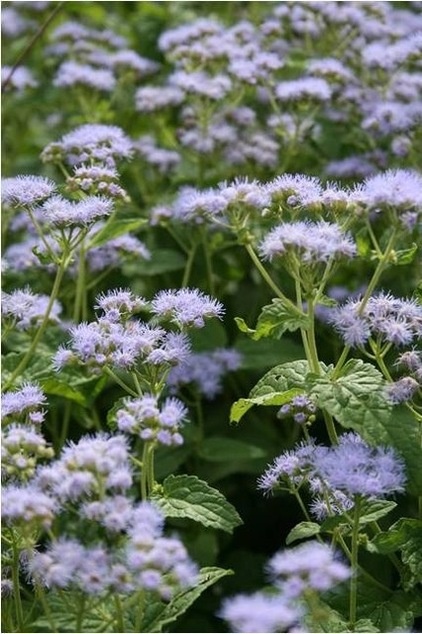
[(240, 407), (161, 261), (406, 536), (74, 386), (267, 353), (282, 378), (371, 511), (356, 398), (221, 449), (161, 614), (116, 227), (403, 433), (275, 319), (302, 531), (189, 497)]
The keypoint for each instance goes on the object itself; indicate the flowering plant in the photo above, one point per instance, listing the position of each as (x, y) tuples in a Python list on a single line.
[(176, 259)]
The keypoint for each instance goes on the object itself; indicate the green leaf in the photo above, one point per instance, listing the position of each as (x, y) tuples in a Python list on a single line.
[(74, 386), (356, 398), (240, 407), (116, 227), (161, 261), (282, 378), (159, 615), (275, 319), (302, 531), (373, 510), (221, 449), (189, 497), (403, 433), (406, 536), (267, 353), (405, 256)]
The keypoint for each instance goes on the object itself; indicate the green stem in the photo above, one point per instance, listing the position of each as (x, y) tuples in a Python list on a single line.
[(48, 613), (31, 44), (80, 613), (188, 267), (80, 298), (382, 264), (208, 265), (266, 276), (362, 571), (16, 588), (119, 381), (354, 565), (144, 473), (119, 614), (54, 293)]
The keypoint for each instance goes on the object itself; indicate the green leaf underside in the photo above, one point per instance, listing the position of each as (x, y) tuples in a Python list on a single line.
[(189, 497), (161, 614), (274, 320), (116, 227), (302, 531), (240, 407)]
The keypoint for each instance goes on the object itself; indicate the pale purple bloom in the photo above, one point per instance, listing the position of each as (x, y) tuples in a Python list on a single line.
[(144, 417), (126, 58), (294, 189), (312, 241), (27, 398), (186, 307), (310, 566), (395, 320), (113, 512), (57, 566), (21, 78), (356, 468), (394, 188), (26, 190), (97, 179), (72, 73), (61, 212), (116, 251), (205, 371), (151, 98), (402, 390), (172, 350), (200, 83), (27, 505), (294, 467), (329, 68), (28, 310), (162, 158), (303, 89), (121, 300), (301, 408), (260, 612), (90, 142), (21, 447)]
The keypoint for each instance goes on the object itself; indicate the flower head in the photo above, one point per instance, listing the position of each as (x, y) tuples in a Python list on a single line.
[(186, 307), (26, 191)]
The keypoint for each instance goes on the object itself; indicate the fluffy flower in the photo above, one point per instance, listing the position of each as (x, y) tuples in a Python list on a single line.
[(71, 73), (260, 612), (314, 242), (27, 309), (26, 190), (145, 418), (186, 307)]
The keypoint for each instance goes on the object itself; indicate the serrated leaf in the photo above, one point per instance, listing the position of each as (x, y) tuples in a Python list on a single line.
[(274, 320), (116, 227), (283, 377), (221, 449), (302, 531), (240, 407), (403, 434), (406, 536), (163, 614), (356, 399), (189, 497)]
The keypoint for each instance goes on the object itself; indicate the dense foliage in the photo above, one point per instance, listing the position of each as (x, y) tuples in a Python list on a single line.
[(212, 374)]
